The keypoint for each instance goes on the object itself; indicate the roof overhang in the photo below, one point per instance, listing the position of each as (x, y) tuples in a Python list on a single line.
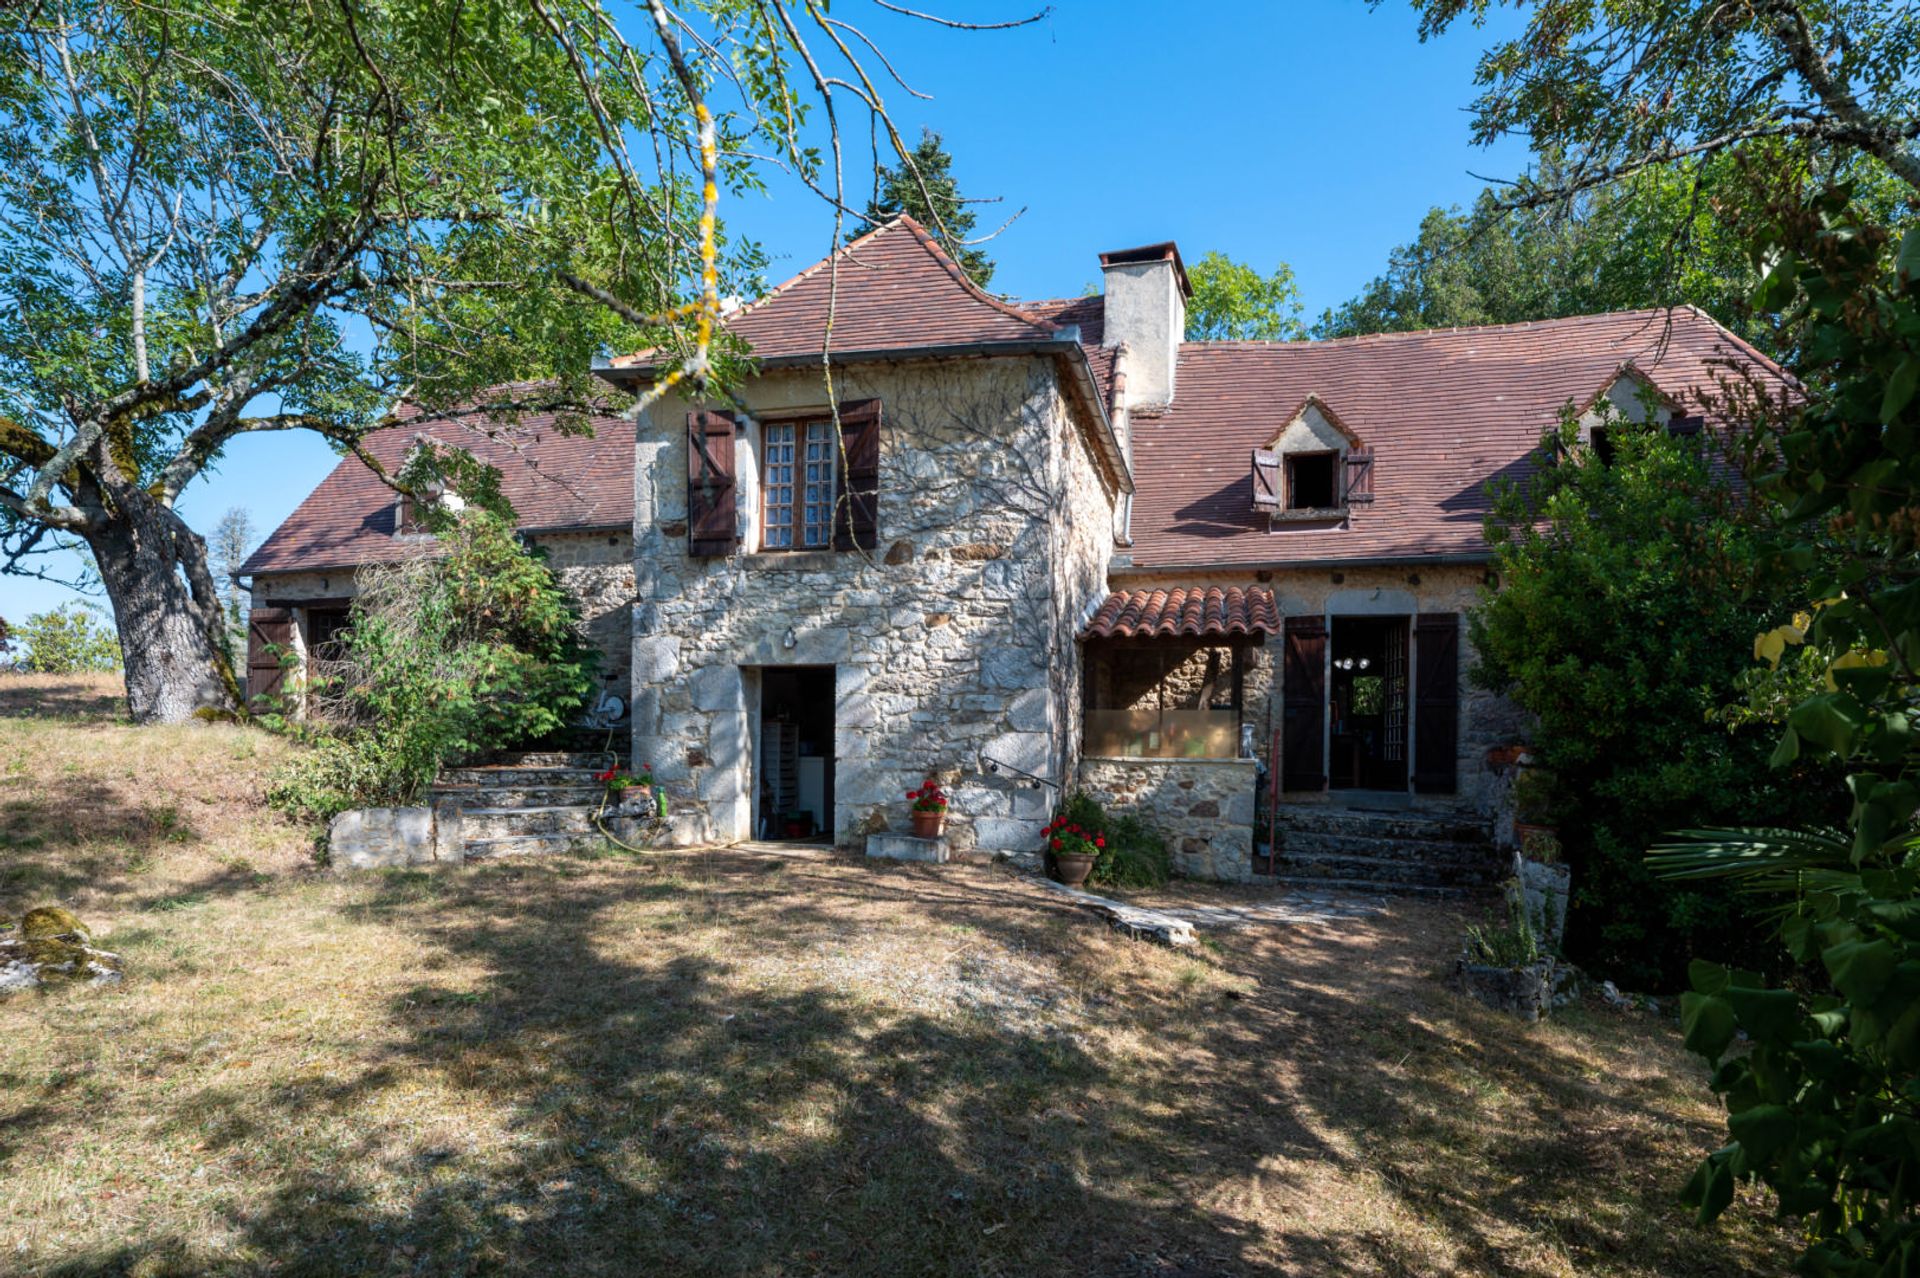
[(1083, 386), (1202, 612)]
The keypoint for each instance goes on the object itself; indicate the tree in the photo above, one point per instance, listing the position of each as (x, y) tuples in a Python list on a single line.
[(67, 640), (227, 549), (1622, 622), (199, 202), (1233, 302), (1623, 87), (1820, 1098), (922, 186)]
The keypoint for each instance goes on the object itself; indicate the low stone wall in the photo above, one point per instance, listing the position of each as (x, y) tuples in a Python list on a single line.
[(1203, 807), (376, 838)]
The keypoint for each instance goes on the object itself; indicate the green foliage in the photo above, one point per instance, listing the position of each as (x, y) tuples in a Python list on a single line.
[(1233, 302), (922, 186), (67, 640), (1133, 854), (1635, 82), (448, 656), (1821, 1109), (1622, 622), (1508, 944)]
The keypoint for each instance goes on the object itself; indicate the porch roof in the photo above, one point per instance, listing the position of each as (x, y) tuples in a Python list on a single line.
[(1213, 612)]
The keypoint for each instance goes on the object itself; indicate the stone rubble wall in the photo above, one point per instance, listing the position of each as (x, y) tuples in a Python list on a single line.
[(951, 641), (1487, 719), (1202, 807)]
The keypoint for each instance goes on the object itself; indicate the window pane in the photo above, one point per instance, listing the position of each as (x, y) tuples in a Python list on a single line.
[(778, 485), (817, 529), (1310, 482)]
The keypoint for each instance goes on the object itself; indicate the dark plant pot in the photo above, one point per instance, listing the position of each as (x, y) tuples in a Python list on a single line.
[(1072, 868), (927, 825)]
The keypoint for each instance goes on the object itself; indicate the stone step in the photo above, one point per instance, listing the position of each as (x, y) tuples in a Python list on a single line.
[(502, 823), (510, 776), (521, 796), (597, 760), (1423, 827), (1346, 867), (1436, 852), (1368, 887), (531, 845)]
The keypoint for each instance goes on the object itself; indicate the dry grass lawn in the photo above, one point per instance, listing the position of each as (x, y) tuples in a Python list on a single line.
[(728, 1063)]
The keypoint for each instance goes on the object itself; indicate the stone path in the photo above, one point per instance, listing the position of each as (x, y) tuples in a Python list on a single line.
[(1295, 907), (1152, 925)]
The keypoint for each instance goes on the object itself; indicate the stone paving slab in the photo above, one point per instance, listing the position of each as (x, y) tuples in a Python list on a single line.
[(1294, 908), (1152, 925)]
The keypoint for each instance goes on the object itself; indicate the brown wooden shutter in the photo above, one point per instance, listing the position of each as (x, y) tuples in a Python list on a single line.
[(1359, 477), (1304, 705), (269, 632), (856, 514), (1436, 693), (712, 524), (1266, 479)]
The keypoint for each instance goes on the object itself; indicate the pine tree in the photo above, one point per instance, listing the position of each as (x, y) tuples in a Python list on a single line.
[(228, 548), (926, 190)]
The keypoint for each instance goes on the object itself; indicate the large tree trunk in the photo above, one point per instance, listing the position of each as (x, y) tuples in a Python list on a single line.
[(167, 611)]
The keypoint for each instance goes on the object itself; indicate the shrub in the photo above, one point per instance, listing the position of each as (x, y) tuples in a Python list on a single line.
[(68, 640), (1134, 856), (1623, 623), (447, 656)]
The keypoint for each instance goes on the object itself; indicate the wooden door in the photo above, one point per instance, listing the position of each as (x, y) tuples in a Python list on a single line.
[(1303, 757)]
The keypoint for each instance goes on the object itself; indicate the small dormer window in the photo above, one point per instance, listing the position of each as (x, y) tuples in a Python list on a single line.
[(1311, 481), (1315, 469)]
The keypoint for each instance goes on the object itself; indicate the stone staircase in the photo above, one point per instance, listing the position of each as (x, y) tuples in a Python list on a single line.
[(525, 804), (1403, 853)]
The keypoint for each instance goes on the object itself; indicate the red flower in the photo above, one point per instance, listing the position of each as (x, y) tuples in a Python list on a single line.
[(1100, 843), (913, 794), (1056, 845)]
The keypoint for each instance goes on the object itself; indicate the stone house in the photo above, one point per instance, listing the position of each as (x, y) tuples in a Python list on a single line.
[(1037, 546)]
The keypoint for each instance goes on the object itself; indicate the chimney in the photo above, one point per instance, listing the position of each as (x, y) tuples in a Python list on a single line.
[(1146, 311)]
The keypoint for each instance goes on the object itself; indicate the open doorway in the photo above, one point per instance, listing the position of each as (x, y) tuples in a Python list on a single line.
[(1367, 704), (793, 779)]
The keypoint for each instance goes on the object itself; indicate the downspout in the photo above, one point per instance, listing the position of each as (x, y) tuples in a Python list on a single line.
[(1122, 419)]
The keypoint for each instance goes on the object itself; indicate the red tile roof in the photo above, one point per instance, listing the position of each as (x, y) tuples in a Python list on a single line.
[(1210, 613), (1089, 314), (1443, 412), (893, 287), (554, 481)]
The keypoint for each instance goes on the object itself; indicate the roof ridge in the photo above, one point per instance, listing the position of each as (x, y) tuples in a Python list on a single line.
[(1450, 330), (960, 277), (809, 272)]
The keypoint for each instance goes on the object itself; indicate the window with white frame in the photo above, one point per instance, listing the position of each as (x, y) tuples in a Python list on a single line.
[(797, 485)]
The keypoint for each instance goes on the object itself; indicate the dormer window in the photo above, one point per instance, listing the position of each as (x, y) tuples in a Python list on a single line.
[(1315, 468)]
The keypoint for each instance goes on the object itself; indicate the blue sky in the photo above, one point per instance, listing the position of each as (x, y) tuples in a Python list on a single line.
[(1315, 132)]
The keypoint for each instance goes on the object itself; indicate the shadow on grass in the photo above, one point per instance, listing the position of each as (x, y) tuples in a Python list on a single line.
[(669, 1111), (88, 697)]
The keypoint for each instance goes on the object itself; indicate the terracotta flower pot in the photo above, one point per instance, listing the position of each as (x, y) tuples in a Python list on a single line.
[(927, 825), (1072, 868)]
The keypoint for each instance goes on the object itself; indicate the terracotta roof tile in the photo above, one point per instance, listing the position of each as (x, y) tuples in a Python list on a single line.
[(893, 287), (1088, 313), (555, 481), (1209, 613), (1443, 412)]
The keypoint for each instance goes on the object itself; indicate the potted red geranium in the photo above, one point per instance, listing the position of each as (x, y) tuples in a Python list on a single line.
[(618, 781), (1075, 849), (929, 809)]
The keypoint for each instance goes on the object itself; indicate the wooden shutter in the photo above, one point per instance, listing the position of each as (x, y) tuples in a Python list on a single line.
[(269, 632), (1359, 477), (1304, 705), (1436, 691), (856, 514), (1266, 479), (712, 524)]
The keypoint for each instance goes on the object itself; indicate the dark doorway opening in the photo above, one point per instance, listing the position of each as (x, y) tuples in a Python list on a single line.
[(1367, 704), (795, 773)]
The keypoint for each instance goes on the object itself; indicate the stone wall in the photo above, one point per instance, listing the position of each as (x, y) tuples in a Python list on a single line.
[(1486, 719), (951, 642), (1202, 807)]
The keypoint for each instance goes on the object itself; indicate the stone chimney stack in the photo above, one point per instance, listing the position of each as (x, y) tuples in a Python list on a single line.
[(1146, 311)]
